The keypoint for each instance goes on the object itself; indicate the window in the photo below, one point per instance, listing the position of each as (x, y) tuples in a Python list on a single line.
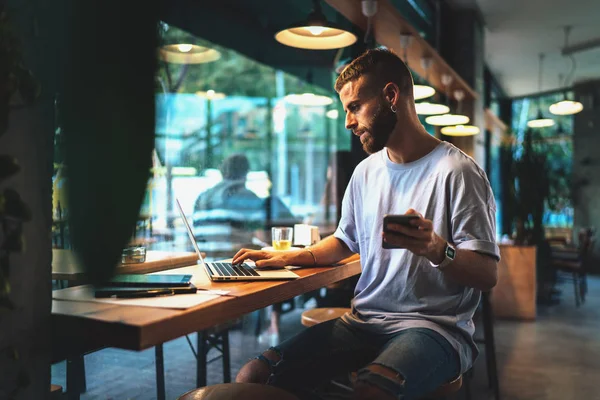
[(237, 153), (553, 149)]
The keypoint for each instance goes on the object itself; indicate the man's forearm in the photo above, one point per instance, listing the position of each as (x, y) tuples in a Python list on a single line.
[(473, 270), (327, 252)]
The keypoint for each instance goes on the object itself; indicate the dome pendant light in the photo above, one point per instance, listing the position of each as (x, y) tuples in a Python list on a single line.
[(308, 99), (315, 33), (566, 106), (458, 128), (424, 91), (540, 121), (425, 107), (450, 119), (186, 53), (419, 91)]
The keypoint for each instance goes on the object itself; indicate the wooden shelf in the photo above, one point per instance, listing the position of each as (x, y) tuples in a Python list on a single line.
[(388, 25)]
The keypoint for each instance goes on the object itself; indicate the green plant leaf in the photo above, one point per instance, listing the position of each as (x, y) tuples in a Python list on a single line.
[(6, 304), (109, 117), (8, 166), (13, 207)]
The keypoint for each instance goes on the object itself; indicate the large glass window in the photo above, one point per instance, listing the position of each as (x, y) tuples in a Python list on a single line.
[(239, 148), (551, 151)]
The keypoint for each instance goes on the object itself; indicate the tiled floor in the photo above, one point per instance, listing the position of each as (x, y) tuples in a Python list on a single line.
[(556, 357)]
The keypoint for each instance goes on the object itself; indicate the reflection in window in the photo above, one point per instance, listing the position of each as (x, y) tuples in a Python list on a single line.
[(236, 154), (555, 145)]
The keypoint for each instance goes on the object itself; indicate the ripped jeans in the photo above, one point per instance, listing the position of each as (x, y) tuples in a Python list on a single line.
[(421, 357)]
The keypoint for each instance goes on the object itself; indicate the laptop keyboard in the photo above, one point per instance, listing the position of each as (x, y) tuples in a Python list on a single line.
[(227, 269)]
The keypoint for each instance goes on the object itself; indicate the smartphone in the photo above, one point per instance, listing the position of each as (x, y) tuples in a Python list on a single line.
[(400, 219)]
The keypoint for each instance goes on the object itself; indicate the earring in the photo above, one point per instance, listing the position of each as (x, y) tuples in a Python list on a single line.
[(393, 108)]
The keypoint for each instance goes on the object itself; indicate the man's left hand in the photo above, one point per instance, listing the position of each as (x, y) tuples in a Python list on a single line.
[(419, 238)]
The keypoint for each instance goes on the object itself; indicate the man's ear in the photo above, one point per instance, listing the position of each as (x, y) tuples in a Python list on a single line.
[(391, 92)]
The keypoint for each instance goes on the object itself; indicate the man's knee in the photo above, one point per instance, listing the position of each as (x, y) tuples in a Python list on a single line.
[(258, 370), (377, 382)]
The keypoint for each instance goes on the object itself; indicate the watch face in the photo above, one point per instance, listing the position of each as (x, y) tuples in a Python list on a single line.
[(450, 252)]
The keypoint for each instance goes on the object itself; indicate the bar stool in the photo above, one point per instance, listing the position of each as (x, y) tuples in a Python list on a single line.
[(317, 315), (241, 391)]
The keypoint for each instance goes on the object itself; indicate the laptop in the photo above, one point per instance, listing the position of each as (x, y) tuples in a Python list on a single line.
[(222, 271)]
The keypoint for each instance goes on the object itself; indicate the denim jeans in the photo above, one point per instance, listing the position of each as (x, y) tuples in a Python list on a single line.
[(422, 357)]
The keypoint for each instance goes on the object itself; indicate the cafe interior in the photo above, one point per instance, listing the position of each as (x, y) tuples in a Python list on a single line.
[(210, 98)]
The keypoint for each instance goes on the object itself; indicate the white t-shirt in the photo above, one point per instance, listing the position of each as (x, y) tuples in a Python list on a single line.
[(398, 289)]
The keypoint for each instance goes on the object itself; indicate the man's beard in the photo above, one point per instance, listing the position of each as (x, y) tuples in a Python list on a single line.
[(380, 129)]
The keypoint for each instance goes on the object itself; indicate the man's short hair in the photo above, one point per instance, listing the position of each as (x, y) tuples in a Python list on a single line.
[(236, 166), (381, 66)]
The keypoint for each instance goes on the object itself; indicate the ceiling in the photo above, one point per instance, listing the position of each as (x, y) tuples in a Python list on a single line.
[(518, 30), (249, 28)]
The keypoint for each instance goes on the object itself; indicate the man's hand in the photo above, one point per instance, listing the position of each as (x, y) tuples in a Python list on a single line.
[(419, 239), (262, 258)]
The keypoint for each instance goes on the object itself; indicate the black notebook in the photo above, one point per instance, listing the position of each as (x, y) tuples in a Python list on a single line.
[(149, 281), (135, 291)]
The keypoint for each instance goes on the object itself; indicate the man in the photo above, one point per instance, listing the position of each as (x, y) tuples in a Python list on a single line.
[(410, 329), (230, 203)]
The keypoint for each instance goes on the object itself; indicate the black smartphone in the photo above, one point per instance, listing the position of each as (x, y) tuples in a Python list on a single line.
[(400, 219)]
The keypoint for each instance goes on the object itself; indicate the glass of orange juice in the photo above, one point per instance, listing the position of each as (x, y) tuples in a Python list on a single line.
[(282, 238)]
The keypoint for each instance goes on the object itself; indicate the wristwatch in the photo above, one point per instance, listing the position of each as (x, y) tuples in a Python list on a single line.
[(449, 256)]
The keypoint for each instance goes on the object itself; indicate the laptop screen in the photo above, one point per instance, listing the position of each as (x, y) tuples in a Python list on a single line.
[(189, 231)]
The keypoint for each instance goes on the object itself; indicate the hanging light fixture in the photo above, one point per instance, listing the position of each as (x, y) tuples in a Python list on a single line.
[(540, 121), (315, 33), (450, 119), (332, 114), (211, 95), (419, 91), (187, 53), (566, 106), (424, 91), (308, 99), (460, 130), (426, 108)]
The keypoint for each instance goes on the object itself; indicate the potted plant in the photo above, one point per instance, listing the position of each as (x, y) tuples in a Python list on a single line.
[(18, 89)]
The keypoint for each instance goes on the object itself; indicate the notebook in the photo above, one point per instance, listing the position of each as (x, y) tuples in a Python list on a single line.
[(222, 271)]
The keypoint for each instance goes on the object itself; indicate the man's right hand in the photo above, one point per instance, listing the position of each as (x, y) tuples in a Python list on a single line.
[(263, 258)]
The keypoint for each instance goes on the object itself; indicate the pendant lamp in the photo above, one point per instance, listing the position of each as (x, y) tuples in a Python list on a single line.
[(424, 91), (426, 107), (308, 99), (566, 106), (315, 33), (419, 91), (450, 119), (460, 130), (540, 121), (211, 94), (186, 53)]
